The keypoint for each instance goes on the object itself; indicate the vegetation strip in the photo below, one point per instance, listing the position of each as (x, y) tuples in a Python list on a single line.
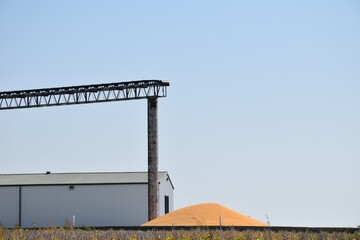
[(194, 234), (237, 228)]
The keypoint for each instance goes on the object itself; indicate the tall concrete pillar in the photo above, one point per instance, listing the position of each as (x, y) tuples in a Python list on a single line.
[(153, 188)]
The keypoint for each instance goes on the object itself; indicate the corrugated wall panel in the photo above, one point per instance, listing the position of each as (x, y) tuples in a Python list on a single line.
[(165, 189), (92, 205), (9, 206)]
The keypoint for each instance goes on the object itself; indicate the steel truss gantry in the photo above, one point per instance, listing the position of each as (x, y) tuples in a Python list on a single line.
[(144, 89), (83, 94)]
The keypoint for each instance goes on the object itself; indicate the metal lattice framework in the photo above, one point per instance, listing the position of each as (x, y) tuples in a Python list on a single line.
[(149, 89), (83, 94)]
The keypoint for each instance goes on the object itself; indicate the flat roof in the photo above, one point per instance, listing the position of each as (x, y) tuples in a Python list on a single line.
[(89, 178)]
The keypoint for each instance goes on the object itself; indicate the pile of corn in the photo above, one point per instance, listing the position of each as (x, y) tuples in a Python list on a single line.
[(206, 214)]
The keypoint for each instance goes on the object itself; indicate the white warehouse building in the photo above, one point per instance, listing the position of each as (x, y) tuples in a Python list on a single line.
[(86, 199)]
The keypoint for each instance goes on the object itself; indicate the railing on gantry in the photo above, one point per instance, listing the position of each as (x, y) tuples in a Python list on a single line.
[(83, 94)]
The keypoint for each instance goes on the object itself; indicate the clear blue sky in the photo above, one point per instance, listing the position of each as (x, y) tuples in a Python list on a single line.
[(262, 115)]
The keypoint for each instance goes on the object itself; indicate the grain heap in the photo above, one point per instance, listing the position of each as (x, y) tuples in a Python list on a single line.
[(206, 214)]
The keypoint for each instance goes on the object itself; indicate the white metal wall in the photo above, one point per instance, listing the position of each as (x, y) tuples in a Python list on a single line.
[(165, 188), (92, 205), (9, 206)]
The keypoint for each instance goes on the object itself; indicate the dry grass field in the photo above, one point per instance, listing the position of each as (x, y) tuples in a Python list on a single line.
[(196, 234)]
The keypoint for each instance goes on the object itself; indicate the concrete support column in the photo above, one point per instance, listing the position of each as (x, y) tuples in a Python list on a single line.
[(153, 188)]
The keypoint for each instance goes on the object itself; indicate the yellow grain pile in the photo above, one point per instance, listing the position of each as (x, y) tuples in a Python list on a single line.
[(206, 214)]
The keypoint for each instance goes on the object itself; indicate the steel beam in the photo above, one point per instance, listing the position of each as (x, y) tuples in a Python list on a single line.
[(109, 92), (153, 187)]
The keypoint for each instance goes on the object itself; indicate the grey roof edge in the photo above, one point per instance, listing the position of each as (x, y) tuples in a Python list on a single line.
[(167, 176), (60, 173), (90, 178)]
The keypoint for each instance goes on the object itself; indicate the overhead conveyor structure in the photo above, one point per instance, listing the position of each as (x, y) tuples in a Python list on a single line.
[(109, 92), (83, 94)]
